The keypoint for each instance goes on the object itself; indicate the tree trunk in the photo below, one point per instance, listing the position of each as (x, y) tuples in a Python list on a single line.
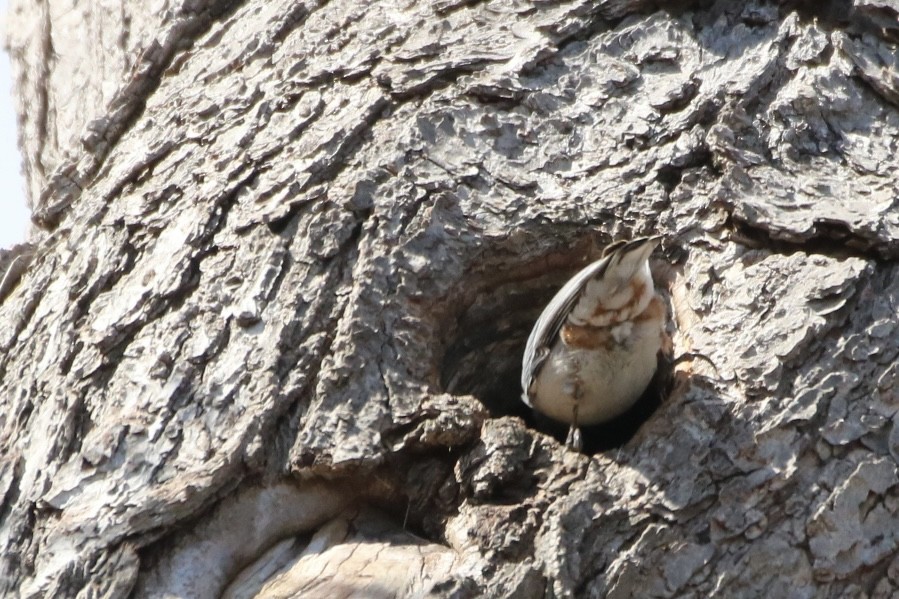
[(287, 255)]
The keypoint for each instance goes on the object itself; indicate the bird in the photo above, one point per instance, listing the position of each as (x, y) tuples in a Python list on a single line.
[(593, 351)]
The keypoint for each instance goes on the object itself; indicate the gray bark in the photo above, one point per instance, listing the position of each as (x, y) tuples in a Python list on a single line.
[(288, 253)]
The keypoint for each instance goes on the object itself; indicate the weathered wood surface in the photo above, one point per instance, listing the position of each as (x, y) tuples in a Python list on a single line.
[(289, 253)]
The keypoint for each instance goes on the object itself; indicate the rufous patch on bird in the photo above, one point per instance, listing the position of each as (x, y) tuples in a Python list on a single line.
[(654, 310), (586, 336)]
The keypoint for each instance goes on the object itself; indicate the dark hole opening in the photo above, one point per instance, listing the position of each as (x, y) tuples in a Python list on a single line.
[(484, 355)]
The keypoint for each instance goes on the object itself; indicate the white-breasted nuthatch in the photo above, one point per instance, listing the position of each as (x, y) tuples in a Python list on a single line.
[(593, 351)]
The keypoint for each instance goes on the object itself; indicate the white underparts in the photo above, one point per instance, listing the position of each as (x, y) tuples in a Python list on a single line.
[(622, 332), (601, 382)]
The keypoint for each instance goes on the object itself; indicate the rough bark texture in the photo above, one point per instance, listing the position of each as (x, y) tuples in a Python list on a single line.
[(289, 253)]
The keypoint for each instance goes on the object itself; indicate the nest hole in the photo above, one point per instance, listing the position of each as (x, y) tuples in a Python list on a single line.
[(485, 349)]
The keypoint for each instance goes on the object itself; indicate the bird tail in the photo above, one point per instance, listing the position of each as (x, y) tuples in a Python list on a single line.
[(627, 258)]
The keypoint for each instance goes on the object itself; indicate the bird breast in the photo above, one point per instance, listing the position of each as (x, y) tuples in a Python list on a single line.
[(601, 370)]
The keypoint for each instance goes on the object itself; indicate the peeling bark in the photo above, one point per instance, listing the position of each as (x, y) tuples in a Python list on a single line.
[(268, 340)]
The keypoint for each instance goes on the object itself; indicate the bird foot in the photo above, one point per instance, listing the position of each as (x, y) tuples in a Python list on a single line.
[(574, 440)]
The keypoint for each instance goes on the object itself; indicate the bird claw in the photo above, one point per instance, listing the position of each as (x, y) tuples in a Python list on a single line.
[(574, 440)]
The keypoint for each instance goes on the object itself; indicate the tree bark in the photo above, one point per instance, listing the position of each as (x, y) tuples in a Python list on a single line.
[(287, 254)]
